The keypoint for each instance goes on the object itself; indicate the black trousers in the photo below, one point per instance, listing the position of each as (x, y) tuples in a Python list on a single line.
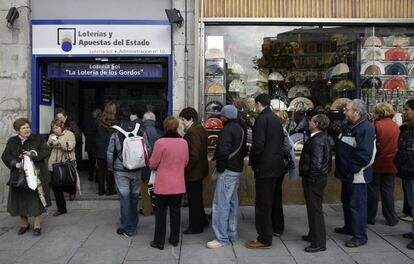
[(406, 207), (313, 192), (278, 219), (196, 213), (60, 197), (382, 183), (162, 203), (103, 176), (91, 165), (265, 189)]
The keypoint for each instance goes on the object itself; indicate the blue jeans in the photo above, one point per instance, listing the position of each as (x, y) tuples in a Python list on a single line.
[(226, 206), (354, 203), (127, 185), (409, 188)]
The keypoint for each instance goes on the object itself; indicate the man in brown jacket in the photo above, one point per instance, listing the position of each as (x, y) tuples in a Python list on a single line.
[(196, 170)]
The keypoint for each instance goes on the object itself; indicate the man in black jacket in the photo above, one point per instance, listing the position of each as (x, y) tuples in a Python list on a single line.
[(266, 160), (229, 164), (315, 163)]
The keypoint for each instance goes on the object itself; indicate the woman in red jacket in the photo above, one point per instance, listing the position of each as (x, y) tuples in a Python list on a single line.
[(387, 133), (169, 159)]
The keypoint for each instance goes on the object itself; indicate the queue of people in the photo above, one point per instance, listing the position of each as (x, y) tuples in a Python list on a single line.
[(368, 157)]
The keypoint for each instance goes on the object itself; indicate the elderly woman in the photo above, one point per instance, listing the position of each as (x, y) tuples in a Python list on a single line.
[(387, 133), (62, 143), (169, 159), (26, 202), (405, 160)]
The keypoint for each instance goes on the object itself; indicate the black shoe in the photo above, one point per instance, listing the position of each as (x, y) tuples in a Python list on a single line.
[(108, 193), (171, 243), (408, 235), (101, 193), (206, 223), (411, 245), (37, 231), (189, 231), (23, 230), (342, 230), (141, 212), (152, 244), (306, 238), (311, 249), (277, 234), (371, 222), (353, 243), (90, 178), (210, 216), (393, 223)]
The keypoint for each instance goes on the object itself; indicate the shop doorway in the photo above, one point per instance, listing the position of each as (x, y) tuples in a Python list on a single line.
[(80, 96)]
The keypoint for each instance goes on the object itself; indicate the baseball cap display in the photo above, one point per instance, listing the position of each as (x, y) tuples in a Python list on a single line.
[(396, 69), (328, 74), (214, 53), (301, 104), (299, 90), (397, 40), (214, 106), (372, 68), (212, 140), (370, 82), (339, 69), (237, 86), (216, 88), (214, 69), (277, 104), (344, 85), (275, 76), (339, 104), (374, 53), (374, 41), (213, 122), (397, 54), (411, 86), (395, 83)]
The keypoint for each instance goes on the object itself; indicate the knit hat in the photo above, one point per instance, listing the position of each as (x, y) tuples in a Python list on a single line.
[(229, 112)]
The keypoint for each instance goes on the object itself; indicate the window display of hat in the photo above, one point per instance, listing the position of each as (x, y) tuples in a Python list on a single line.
[(214, 106), (396, 69), (213, 123), (299, 91), (372, 68), (339, 69), (374, 41), (370, 82), (214, 69), (374, 53), (411, 71), (277, 104), (236, 68), (395, 83), (216, 88), (237, 86), (276, 76), (339, 104), (397, 54), (397, 40), (344, 85), (214, 53), (301, 104)]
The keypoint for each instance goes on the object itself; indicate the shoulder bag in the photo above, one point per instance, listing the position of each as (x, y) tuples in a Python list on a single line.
[(18, 180), (64, 173)]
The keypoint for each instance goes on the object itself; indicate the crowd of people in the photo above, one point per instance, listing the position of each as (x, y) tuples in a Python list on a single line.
[(368, 157)]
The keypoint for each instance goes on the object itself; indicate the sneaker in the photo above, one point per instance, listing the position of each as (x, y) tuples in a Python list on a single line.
[(121, 232), (213, 244), (406, 218), (277, 234)]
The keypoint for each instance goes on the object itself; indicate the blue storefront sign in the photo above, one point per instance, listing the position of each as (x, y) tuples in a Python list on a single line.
[(103, 70)]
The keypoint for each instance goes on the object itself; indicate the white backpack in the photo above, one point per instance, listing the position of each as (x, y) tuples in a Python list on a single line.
[(134, 151)]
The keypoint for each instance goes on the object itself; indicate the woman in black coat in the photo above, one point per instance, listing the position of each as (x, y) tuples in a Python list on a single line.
[(26, 202)]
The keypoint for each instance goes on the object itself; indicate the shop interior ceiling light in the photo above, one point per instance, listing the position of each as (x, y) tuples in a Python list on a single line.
[(174, 16), (12, 15)]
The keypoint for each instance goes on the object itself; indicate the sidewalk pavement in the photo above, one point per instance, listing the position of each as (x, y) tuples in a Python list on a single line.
[(88, 236)]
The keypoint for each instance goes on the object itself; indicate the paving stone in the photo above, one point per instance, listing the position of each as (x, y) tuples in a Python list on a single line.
[(381, 258)]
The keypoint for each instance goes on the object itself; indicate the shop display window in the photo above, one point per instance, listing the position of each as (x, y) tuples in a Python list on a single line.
[(306, 70)]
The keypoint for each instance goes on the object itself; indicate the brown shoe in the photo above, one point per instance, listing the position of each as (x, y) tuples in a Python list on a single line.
[(254, 244)]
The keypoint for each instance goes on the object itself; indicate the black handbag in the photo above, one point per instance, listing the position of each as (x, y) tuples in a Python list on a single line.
[(64, 174), (18, 180)]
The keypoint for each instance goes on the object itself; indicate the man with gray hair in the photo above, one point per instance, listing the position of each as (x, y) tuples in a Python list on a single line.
[(355, 154)]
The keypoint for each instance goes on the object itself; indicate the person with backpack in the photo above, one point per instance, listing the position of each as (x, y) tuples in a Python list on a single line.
[(126, 156)]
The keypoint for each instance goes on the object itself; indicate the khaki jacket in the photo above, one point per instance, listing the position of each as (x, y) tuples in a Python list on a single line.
[(64, 150)]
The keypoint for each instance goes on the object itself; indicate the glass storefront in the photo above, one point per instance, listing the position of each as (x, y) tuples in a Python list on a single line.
[(306, 69)]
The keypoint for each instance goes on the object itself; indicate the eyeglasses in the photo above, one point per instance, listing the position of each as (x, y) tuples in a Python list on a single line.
[(346, 109)]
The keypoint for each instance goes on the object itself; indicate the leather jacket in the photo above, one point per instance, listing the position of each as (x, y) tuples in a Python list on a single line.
[(316, 157)]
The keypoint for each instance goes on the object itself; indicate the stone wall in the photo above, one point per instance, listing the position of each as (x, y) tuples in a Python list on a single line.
[(15, 58)]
